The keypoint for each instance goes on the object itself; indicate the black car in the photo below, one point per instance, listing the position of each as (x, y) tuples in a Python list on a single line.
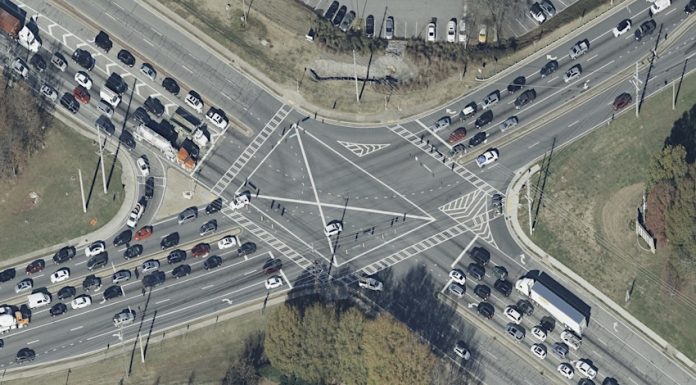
[(123, 238), (208, 227), (331, 11), (103, 41), (339, 16), (38, 62), (64, 254), (610, 380), (181, 271), (212, 262), (482, 291), (370, 26), (8, 274), (171, 85), (246, 248), (486, 310), (170, 240), (70, 103), (647, 28), (116, 83), (214, 206), (112, 292), (105, 124), (91, 282), (126, 58), (127, 140), (484, 119), (549, 68), (525, 307), (58, 309), (586, 381), (84, 59), (149, 188), (154, 106), (133, 251), (176, 256), (689, 9), (153, 279), (272, 266), (66, 292), (25, 355), (140, 116), (525, 98), (476, 271), (480, 255), (517, 84), (503, 286), (497, 201), (477, 139), (98, 261)]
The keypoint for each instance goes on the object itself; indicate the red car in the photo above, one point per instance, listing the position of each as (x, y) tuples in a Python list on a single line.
[(143, 233), (622, 101), (200, 250), (80, 93), (36, 266)]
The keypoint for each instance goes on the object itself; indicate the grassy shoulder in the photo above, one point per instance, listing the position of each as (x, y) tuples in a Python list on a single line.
[(199, 357), (586, 221), (51, 175)]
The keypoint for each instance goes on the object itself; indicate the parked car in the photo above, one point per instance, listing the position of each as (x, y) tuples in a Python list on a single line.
[(432, 32), (370, 26), (476, 271), (486, 310), (389, 28)]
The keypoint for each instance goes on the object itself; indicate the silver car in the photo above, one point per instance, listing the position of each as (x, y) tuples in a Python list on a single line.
[(492, 99), (150, 265), (149, 71), (456, 289), (572, 73), (509, 123), (515, 331), (389, 28), (120, 276)]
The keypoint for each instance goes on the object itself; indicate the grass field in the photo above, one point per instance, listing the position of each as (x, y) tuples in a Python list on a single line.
[(200, 357), (57, 214), (586, 221)]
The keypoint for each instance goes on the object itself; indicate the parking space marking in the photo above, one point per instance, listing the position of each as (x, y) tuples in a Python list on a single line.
[(522, 25)]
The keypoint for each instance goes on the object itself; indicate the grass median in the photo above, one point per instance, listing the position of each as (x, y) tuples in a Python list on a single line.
[(43, 207), (586, 220)]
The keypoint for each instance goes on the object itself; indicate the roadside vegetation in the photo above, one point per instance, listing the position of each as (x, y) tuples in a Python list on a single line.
[(588, 212)]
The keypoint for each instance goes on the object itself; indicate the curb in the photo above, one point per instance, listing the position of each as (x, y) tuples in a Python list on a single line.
[(109, 228), (529, 247)]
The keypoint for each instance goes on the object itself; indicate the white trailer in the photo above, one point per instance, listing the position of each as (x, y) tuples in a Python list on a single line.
[(563, 305), (157, 140)]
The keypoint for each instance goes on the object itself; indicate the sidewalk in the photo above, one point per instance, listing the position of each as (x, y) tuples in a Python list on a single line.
[(128, 178), (512, 195)]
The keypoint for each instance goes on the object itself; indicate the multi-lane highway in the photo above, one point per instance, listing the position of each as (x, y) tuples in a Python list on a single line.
[(401, 197)]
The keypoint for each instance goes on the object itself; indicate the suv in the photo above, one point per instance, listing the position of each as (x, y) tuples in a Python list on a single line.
[(469, 110), (548, 68), (70, 103), (112, 292), (123, 238), (153, 279), (176, 256), (525, 307), (154, 106), (91, 282), (181, 271), (105, 124), (98, 261), (188, 215), (213, 206), (504, 287), (482, 291), (246, 248), (515, 331), (8, 274), (103, 41), (84, 59), (124, 317), (170, 240), (517, 84), (484, 119), (208, 228), (66, 292), (573, 340), (64, 254), (486, 310), (560, 349), (133, 251), (490, 100), (645, 29), (480, 255), (477, 271), (525, 98)]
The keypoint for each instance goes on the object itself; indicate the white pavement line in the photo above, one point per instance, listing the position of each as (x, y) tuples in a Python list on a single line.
[(552, 79), (163, 301), (207, 287), (77, 328), (532, 145), (32, 342), (574, 123), (491, 354), (186, 68), (464, 251), (250, 272), (285, 278), (148, 42), (314, 188), (109, 15), (335, 206), (370, 175), (422, 125), (592, 57)]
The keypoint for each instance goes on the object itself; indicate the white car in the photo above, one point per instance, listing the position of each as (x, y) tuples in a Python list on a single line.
[(451, 31), (513, 314), (539, 350), (586, 369), (83, 79), (274, 282), (539, 333), (81, 301), (432, 32), (572, 73), (566, 370), (150, 265), (60, 275), (488, 157), (461, 350), (571, 339), (24, 285), (193, 99), (95, 248), (149, 71), (49, 92), (333, 228), (458, 276), (623, 27), (371, 284), (135, 215), (20, 67), (227, 242), (240, 201), (143, 166), (217, 119), (537, 14)]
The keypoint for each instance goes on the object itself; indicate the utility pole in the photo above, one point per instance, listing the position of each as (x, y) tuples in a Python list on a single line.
[(142, 351), (529, 203), (101, 159), (82, 191), (355, 73), (636, 82), (674, 95)]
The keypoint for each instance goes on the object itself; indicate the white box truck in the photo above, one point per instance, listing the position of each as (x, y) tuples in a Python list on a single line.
[(38, 300)]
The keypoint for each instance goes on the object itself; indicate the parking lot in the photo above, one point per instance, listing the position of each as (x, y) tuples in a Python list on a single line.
[(412, 17)]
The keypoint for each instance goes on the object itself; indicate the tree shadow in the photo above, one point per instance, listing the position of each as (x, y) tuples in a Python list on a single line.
[(683, 134)]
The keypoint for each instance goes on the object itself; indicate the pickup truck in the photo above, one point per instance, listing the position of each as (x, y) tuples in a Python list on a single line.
[(580, 48)]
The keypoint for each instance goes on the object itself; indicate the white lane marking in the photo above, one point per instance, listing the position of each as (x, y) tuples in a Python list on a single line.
[(250, 272), (163, 301), (464, 251), (186, 68), (552, 79), (592, 57), (77, 328), (285, 278), (148, 42), (533, 144), (574, 123), (207, 287), (32, 342)]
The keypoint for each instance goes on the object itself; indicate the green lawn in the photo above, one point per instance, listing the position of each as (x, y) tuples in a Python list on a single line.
[(57, 214), (586, 221)]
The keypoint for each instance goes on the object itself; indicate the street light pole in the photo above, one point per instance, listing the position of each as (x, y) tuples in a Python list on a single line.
[(101, 158)]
